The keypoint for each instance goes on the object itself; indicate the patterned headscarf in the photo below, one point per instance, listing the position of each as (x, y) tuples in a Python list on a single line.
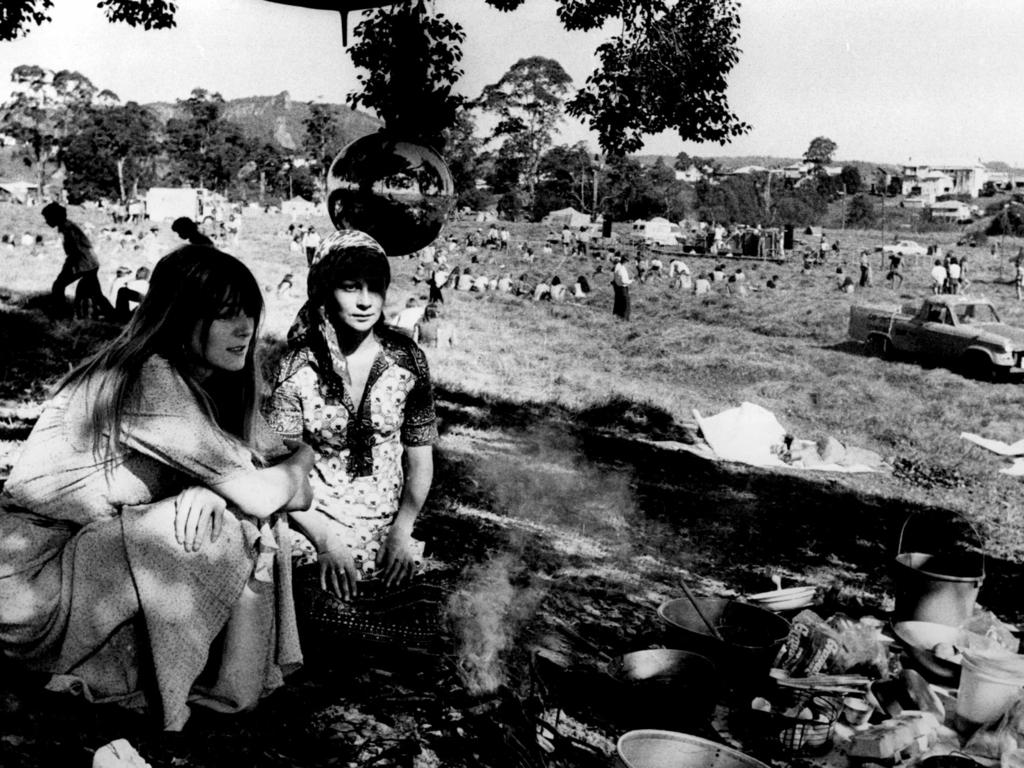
[(312, 330)]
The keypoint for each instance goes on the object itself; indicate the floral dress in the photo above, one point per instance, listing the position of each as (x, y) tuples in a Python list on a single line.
[(357, 478)]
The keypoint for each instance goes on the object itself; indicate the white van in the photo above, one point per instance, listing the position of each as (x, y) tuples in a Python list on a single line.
[(658, 231)]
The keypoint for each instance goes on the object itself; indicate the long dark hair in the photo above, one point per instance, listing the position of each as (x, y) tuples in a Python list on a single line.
[(193, 285)]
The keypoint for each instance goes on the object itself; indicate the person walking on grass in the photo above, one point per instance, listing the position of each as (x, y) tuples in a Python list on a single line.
[(894, 271), (954, 273), (80, 264), (620, 285), (865, 270), (310, 242), (939, 277)]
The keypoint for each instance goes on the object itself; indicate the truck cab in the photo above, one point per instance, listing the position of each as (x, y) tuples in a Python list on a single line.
[(963, 332)]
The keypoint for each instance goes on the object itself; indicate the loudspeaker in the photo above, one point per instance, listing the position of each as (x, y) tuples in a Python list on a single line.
[(606, 227), (787, 238)]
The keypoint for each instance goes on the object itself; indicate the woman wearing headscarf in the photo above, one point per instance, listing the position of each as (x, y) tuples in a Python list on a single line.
[(359, 394)]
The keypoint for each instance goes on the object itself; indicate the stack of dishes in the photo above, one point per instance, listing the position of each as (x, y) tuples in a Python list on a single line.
[(788, 599)]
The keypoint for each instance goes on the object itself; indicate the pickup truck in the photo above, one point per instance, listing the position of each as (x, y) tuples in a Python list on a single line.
[(961, 332)]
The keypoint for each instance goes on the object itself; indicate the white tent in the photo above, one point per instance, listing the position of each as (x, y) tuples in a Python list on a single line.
[(171, 203), (19, 191), (567, 217)]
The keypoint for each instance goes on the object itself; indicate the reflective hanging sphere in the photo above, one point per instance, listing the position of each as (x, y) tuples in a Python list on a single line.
[(398, 192)]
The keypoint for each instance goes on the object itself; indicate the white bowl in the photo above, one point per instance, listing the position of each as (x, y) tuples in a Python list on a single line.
[(651, 748), (786, 599)]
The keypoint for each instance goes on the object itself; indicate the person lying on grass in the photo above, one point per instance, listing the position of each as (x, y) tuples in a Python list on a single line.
[(359, 393), (138, 528)]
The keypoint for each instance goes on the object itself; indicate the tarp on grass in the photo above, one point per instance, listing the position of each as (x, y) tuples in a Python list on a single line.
[(750, 434), (1013, 451)]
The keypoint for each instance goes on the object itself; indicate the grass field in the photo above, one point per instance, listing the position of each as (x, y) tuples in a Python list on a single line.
[(785, 349), (548, 411)]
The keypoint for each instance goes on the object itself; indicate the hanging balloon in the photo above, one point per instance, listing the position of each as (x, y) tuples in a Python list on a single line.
[(398, 192)]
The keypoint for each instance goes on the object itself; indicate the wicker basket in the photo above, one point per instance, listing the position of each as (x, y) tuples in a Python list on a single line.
[(793, 735)]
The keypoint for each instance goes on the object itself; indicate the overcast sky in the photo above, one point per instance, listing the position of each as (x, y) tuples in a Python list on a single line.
[(887, 81)]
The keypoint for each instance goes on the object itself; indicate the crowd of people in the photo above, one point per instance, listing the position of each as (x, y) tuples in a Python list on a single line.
[(196, 504)]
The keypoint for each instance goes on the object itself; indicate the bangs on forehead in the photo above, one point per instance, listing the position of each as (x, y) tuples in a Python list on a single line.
[(239, 300), (356, 263)]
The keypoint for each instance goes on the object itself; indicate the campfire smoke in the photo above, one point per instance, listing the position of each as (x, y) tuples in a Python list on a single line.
[(563, 506), (486, 612)]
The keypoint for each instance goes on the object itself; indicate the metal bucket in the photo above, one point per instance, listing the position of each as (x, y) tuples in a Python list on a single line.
[(940, 588)]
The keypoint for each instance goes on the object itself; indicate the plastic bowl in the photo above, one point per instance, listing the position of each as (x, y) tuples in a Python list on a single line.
[(920, 638), (668, 749)]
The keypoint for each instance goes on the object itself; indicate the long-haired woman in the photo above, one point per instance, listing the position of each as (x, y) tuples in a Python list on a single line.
[(360, 395), (139, 524)]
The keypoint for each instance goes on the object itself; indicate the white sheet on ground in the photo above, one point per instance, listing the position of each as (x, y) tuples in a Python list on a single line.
[(750, 434), (1003, 449)]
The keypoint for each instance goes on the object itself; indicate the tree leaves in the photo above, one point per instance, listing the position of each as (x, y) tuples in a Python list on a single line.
[(820, 150), (527, 102), (149, 14), (18, 16), (410, 58), (667, 69)]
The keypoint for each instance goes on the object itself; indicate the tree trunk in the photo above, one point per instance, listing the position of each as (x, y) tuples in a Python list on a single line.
[(120, 178), (42, 178)]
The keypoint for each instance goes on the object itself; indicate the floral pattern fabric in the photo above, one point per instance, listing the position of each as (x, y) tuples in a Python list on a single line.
[(313, 404)]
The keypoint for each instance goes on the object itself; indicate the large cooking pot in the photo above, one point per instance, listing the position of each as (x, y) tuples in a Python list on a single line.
[(751, 636)]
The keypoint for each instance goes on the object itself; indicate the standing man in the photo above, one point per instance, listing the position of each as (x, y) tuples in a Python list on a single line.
[(620, 284), (80, 263), (567, 240), (865, 270), (310, 241), (895, 260)]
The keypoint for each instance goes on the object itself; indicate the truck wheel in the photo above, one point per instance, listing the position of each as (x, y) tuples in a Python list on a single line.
[(880, 347), (978, 366)]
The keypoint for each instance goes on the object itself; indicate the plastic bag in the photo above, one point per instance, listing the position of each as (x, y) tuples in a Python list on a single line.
[(985, 624), (810, 646), (862, 647), (1004, 736)]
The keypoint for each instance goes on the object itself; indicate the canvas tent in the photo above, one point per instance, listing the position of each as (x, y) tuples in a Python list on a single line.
[(22, 192), (567, 217), (170, 203)]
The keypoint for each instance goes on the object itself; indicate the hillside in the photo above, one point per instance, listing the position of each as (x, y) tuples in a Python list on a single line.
[(277, 119)]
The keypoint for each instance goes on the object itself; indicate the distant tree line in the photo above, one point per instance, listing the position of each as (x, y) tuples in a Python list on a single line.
[(112, 150), (107, 149)]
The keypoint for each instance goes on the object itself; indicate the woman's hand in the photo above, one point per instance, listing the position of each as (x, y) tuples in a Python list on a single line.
[(196, 511), (338, 572), (302, 455), (395, 561)]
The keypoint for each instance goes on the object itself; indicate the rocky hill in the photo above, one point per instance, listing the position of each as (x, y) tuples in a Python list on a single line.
[(277, 119)]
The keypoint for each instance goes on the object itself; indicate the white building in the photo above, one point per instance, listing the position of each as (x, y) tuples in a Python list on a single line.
[(691, 175), (951, 210), (964, 178)]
